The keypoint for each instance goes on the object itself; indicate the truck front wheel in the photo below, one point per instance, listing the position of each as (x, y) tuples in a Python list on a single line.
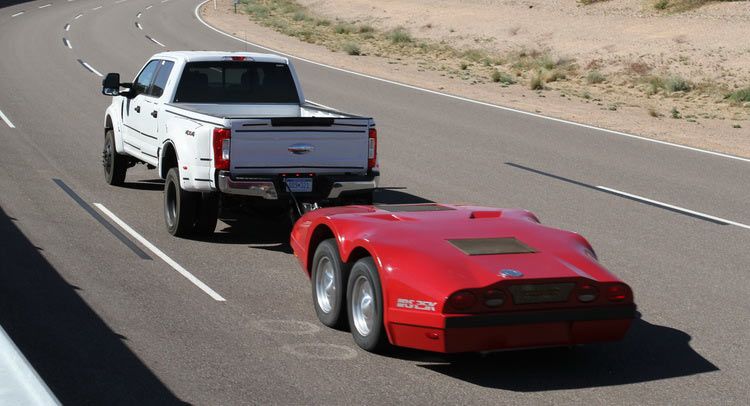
[(115, 165), (180, 206)]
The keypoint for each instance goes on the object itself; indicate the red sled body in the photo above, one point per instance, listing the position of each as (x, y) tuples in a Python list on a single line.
[(455, 278)]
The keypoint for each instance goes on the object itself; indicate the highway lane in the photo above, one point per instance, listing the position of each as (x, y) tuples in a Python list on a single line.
[(263, 344)]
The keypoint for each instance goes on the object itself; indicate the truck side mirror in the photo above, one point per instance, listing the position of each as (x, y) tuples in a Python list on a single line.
[(111, 84)]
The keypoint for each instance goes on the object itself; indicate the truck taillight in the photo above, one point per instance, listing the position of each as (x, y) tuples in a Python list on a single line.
[(372, 148), (222, 142)]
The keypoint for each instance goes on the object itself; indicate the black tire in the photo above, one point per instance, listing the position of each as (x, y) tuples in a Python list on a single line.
[(115, 165), (375, 339), (179, 206), (207, 213), (328, 267)]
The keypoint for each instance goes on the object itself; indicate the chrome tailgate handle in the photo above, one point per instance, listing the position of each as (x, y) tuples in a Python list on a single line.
[(298, 149)]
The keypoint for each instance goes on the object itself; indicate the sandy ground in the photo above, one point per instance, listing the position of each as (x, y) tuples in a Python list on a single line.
[(708, 45)]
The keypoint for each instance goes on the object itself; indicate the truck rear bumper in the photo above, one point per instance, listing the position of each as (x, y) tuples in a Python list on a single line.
[(269, 188)]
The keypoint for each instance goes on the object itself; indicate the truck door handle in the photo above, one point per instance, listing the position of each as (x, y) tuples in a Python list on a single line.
[(154, 114), (137, 109)]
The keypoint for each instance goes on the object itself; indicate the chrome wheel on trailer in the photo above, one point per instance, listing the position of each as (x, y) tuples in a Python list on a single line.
[(325, 285), (363, 306)]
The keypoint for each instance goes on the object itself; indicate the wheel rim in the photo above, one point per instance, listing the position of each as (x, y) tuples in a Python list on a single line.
[(325, 285), (363, 306), (107, 157), (171, 206)]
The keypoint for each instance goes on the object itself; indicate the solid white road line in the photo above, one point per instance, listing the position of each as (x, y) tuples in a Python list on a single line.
[(7, 121), (17, 14), (559, 120), (78, 16), (46, 5), (67, 43), (91, 69), (96, 8), (177, 267), (677, 208), (67, 27)]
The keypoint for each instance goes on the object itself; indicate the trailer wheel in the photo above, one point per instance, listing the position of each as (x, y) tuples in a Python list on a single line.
[(328, 279), (365, 302)]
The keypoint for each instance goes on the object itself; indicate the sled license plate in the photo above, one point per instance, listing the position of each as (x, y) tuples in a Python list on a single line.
[(300, 185)]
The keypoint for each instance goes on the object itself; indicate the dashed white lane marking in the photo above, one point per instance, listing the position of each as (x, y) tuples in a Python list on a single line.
[(120, 1), (138, 25), (90, 68), (177, 267), (164, 1), (96, 8), (67, 27), (677, 208), (138, 15), (155, 41), (148, 7), (17, 14), (78, 16), (67, 43), (5, 118), (558, 120), (46, 5)]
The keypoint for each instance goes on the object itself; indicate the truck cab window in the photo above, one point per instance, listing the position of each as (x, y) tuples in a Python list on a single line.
[(236, 82), (157, 89), (143, 80)]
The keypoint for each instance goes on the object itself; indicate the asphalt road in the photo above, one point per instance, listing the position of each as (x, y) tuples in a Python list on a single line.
[(104, 320)]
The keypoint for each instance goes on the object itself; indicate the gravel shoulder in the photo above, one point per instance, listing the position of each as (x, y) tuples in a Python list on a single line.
[(635, 51)]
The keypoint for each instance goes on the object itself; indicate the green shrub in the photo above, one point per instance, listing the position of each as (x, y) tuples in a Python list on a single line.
[(661, 4), (399, 35), (351, 48), (595, 77), (500, 77), (342, 28), (366, 28), (677, 84), (536, 82), (740, 96), (323, 22), (463, 65), (675, 113)]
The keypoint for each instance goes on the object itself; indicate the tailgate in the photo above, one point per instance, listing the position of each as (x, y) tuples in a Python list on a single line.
[(299, 144)]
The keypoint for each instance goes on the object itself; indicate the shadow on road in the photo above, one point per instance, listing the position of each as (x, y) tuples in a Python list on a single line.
[(649, 352), (79, 357), (148, 184), (8, 3), (271, 231)]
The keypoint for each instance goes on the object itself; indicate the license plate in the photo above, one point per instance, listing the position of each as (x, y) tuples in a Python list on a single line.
[(541, 293), (301, 185)]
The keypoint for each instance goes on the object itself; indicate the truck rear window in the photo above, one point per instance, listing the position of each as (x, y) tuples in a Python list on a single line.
[(236, 82)]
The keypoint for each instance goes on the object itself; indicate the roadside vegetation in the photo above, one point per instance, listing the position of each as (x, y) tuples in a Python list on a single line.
[(603, 83)]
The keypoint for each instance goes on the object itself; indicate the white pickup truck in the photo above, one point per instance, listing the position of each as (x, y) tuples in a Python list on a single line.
[(228, 129)]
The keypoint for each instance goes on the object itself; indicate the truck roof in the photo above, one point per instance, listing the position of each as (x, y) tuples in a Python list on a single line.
[(198, 56)]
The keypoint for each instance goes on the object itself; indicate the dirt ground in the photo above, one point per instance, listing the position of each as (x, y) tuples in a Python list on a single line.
[(628, 42)]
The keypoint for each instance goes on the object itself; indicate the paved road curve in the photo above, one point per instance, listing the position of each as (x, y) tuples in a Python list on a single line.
[(106, 320)]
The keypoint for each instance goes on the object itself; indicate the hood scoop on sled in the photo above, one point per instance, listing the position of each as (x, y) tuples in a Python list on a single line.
[(491, 246)]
